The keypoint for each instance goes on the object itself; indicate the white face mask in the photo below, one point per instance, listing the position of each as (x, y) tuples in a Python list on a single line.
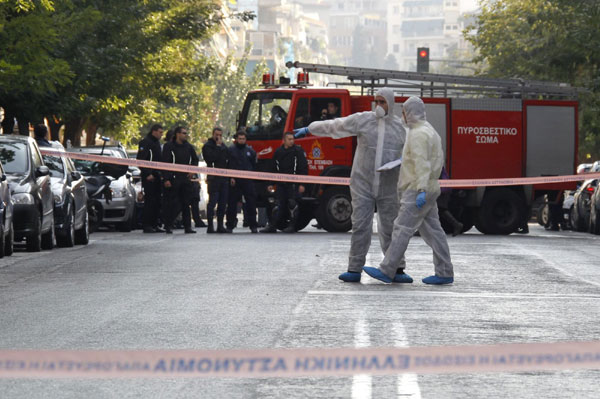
[(379, 111)]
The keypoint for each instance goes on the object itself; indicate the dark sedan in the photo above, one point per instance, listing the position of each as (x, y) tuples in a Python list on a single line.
[(31, 191), (580, 214), (6, 217), (70, 200)]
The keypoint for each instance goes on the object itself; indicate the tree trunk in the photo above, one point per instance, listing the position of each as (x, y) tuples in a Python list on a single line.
[(23, 125), (90, 130), (73, 132), (8, 122), (54, 128)]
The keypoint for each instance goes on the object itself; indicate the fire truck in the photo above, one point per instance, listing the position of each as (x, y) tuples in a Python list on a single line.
[(490, 128)]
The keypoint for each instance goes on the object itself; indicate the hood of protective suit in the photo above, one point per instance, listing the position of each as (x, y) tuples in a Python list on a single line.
[(388, 94), (414, 109)]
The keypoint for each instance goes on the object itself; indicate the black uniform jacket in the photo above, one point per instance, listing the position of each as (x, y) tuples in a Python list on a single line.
[(181, 154)]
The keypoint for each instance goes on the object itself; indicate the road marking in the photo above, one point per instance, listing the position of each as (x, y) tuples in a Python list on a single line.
[(407, 385), (361, 383), (414, 293)]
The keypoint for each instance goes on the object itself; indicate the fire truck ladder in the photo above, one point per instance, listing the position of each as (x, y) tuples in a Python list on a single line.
[(438, 85)]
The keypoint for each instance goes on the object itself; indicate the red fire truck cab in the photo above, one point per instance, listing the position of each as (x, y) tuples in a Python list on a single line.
[(489, 129)]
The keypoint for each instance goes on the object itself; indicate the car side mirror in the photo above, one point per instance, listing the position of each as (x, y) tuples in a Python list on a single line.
[(128, 175), (75, 175), (3, 178), (42, 171)]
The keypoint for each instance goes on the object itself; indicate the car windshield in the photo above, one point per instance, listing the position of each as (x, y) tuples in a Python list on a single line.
[(265, 114), (55, 164), (14, 157), (86, 168)]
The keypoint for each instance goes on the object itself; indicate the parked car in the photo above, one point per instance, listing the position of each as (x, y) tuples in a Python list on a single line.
[(580, 214), (6, 217), (71, 222), (594, 225), (583, 168), (31, 191), (119, 210)]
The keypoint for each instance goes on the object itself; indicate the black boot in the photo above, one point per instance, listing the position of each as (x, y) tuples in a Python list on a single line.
[(220, 227), (291, 227), (269, 228), (211, 228), (456, 225)]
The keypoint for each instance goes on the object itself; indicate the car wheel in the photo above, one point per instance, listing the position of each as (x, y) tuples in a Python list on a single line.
[(127, 226), (2, 239), (594, 225), (66, 238), (34, 241), (9, 240), (49, 239), (82, 236)]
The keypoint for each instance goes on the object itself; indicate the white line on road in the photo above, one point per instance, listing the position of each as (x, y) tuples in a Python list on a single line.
[(361, 383), (491, 295), (407, 385)]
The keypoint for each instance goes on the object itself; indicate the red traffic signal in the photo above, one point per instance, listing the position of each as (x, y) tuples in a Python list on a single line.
[(423, 59)]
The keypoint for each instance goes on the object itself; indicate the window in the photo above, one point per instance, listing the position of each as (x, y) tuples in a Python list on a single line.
[(396, 10), (14, 158), (55, 165), (396, 48), (265, 115)]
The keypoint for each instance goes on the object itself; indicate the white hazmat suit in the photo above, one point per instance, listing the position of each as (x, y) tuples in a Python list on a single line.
[(422, 162), (380, 139)]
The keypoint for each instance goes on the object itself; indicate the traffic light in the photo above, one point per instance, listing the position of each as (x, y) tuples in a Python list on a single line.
[(423, 59)]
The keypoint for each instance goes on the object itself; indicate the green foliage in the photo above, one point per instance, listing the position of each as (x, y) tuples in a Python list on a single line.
[(116, 65), (554, 40), (231, 84)]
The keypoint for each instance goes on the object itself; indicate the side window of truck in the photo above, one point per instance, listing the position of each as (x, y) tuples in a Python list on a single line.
[(324, 108)]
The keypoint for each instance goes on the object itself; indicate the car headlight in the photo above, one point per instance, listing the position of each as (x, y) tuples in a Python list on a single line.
[(119, 193), (22, 199)]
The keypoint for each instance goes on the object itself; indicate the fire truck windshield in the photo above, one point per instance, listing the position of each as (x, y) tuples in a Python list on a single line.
[(264, 115)]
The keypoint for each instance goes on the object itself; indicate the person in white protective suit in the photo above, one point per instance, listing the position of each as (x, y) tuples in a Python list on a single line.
[(418, 189), (380, 139)]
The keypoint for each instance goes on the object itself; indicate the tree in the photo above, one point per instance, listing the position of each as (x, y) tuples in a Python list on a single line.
[(30, 72), (554, 40)]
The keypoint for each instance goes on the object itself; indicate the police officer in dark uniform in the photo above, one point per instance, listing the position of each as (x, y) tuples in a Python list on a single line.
[(242, 157), (289, 159), (216, 155), (41, 132), (149, 150), (178, 186)]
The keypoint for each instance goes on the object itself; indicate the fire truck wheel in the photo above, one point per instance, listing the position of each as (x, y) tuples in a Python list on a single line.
[(335, 210), (501, 212)]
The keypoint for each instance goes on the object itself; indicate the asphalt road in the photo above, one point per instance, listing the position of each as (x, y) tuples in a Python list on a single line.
[(247, 291)]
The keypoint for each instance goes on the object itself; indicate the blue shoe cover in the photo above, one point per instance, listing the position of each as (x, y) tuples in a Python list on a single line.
[(350, 277), (403, 278), (438, 280), (377, 274)]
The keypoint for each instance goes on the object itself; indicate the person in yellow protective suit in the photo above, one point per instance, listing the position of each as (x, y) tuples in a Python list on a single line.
[(380, 139), (418, 189)]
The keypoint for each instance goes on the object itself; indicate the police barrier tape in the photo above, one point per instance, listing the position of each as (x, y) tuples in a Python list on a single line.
[(279, 177), (298, 362)]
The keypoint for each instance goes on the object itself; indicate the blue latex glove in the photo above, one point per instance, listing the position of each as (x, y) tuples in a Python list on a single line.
[(298, 133), (421, 200)]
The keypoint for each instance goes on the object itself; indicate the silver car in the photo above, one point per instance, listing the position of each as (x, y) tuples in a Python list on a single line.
[(120, 209)]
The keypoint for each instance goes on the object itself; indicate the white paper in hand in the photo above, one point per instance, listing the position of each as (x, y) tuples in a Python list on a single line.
[(390, 165)]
